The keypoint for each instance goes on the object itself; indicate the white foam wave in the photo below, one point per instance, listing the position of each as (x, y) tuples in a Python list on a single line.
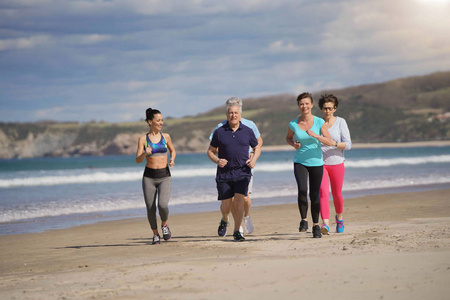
[(61, 209), (193, 171), (71, 179), (54, 209), (98, 177), (357, 186), (388, 162)]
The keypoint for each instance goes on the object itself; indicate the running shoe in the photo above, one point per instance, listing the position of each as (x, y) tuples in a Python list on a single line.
[(166, 232), (248, 224), (325, 229), (156, 240), (238, 236), (222, 231), (303, 226), (316, 231), (339, 225)]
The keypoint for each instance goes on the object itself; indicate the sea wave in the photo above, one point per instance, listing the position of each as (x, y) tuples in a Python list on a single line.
[(120, 175), (49, 209), (55, 209), (108, 204), (388, 162), (70, 179)]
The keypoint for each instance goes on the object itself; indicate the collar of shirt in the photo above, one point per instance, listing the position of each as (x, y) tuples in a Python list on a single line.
[(227, 126)]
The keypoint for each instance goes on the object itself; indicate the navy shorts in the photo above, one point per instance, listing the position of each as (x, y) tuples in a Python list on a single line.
[(227, 189)]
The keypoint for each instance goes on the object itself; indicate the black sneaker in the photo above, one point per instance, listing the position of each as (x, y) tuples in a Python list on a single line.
[(238, 236), (316, 231), (166, 232), (303, 226), (222, 231), (156, 240)]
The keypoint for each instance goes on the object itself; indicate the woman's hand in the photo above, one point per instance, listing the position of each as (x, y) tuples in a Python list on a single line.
[(312, 133), (148, 151), (171, 163), (297, 145)]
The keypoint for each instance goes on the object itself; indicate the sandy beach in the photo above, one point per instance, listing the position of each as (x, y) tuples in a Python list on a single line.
[(395, 246)]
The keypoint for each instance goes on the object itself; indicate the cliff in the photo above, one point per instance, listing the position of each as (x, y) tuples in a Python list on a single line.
[(401, 110)]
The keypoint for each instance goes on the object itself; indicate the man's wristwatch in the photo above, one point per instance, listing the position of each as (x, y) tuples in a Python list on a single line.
[(336, 144)]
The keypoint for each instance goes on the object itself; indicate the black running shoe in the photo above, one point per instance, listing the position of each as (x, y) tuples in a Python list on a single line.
[(316, 231), (222, 231), (166, 232), (303, 226), (238, 236), (156, 240)]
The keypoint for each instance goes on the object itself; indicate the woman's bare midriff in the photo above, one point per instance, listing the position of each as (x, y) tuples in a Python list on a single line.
[(159, 162)]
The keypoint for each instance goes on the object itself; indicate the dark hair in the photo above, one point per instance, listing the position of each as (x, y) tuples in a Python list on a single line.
[(304, 96), (328, 98), (150, 113)]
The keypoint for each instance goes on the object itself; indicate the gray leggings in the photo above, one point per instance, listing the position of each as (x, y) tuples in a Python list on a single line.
[(151, 188)]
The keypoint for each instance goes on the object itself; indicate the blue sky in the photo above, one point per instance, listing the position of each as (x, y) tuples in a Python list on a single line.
[(110, 60)]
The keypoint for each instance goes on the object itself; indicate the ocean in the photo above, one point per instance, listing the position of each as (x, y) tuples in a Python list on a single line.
[(42, 194)]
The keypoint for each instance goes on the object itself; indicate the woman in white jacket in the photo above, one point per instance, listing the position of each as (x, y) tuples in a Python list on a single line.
[(333, 167)]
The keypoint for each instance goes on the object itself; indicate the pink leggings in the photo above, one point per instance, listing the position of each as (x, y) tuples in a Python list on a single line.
[(336, 174)]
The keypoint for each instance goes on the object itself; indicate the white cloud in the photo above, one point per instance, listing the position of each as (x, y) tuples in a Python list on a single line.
[(187, 56), (49, 113), (89, 39), (24, 43), (281, 47)]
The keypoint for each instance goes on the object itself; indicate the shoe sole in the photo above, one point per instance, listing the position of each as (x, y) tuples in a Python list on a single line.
[(324, 231)]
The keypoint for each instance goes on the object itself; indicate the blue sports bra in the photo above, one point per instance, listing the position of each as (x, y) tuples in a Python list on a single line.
[(158, 149)]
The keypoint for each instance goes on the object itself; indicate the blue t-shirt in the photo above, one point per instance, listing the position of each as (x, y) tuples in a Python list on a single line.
[(310, 153), (233, 146)]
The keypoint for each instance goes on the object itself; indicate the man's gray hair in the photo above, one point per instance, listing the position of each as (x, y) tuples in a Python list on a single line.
[(234, 101)]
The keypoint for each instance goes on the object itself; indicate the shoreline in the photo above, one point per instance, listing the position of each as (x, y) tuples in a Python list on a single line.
[(138, 213), (389, 239)]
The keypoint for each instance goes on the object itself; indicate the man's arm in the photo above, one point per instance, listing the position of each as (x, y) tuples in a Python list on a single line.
[(251, 162), (221, 162)]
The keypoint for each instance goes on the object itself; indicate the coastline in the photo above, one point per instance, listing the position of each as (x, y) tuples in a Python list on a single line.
[(373, 145), (396, 246)]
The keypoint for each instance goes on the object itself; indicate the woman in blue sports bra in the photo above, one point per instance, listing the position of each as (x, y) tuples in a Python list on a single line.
[(156, 181)]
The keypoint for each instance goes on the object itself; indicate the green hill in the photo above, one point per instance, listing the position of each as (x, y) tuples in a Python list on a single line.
[(395, 111), (402, 110)]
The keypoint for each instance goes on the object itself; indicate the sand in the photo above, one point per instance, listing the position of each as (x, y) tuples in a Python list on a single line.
[(395, 246)]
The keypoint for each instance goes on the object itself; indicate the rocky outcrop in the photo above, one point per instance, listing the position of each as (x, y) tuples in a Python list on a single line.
[(51, 143)]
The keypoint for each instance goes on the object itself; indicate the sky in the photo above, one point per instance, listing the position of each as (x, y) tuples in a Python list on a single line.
[(94, 60)]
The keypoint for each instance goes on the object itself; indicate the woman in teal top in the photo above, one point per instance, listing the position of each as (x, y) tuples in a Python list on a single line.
[(308, 160)]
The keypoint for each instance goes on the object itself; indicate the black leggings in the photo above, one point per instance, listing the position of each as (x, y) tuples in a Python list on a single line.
[(315, 179)]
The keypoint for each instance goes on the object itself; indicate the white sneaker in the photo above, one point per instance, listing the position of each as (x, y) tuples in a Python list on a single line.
[(241, 230), (248, 224)]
